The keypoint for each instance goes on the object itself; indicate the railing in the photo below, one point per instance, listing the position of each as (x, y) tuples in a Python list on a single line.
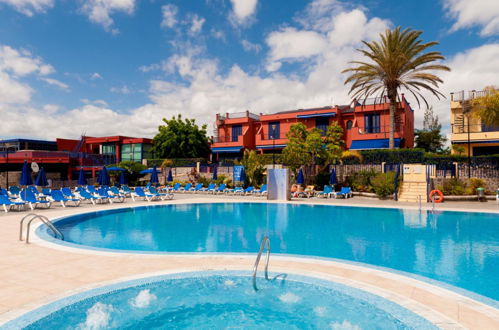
[(265, 242), (473, 128), (44, 219), (228, 138), (461, 95)]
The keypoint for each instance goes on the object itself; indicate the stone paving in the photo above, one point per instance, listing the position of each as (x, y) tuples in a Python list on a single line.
[(35, 274)]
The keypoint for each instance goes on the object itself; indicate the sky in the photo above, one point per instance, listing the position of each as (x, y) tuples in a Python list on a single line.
[(117, 67)]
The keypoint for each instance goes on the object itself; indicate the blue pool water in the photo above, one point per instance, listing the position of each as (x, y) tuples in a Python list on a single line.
[(458, 248), (222, 301)]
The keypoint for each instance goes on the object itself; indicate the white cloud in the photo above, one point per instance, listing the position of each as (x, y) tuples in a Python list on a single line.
[(95, 76), (243, 11), (218, 34), (30, 7), (467, 13), (250, 47), (197, 25), (51, 108), (100, 11), (169, 16), (120, 90), (55, 82)]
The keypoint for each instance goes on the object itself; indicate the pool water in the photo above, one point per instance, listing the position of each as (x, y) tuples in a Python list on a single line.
[(458, 248), (223, 301)]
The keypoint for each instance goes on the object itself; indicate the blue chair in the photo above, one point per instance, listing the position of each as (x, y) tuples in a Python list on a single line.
[(125, 190), (219, 190), (29, 197), (176, 187), (116, 194), (8, 204), (234, 191), (68, 193), (140, 193), (163, 196), (249, 190), (210, 187), (345, 192), (14, 191), (326, 193), (4, 192), (92, 190), (46, 191), (57, 196), (197, 188), (262, 191), (187, 187), (89, 197)]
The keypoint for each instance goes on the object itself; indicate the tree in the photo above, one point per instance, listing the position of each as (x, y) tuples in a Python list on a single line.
[(295, 154), (487, 107), (181, 139), (334, 143), (254, 167), (430, 138), (396, 62)]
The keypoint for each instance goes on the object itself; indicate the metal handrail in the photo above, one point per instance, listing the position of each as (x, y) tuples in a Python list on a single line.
[(419, 200), (44, 219), (257, 261)]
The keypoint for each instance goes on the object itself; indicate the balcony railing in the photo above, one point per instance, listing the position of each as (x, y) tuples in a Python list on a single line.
[(463, 96), (473, 128), (228, 138)]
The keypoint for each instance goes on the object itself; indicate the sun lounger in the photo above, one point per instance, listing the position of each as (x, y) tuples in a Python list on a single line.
[(8, 204), (197, 188), (249, 190), (140, 193), (57, 196), (163, 196), (209, 188), (176, 187), (46, 191), (219, 190), (125, 190), (14, 191), (187, 187), (262, 191), (326, 193), (345, 192), (236, 190), (29, 197), (89, 197), (113, 196)]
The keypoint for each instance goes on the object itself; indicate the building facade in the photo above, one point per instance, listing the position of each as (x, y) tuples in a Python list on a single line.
[(467, 131), (365, 126)]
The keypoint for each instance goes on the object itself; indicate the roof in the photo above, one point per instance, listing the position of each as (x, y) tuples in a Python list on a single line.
[(27, 140), (303, 110)]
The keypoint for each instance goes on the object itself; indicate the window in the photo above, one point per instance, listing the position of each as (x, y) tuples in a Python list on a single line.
[(237, 130), (274, 130), (372, 123), (349, 124), (108, 149), (322, 123), (132, 152)]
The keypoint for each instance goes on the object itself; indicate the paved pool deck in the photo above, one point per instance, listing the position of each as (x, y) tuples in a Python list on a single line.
[(32, 275)]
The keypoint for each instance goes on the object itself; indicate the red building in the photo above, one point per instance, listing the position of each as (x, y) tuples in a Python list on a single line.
[(365, 126), (67, 157)]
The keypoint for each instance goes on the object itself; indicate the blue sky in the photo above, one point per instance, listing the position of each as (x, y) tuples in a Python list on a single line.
[(119, 66)]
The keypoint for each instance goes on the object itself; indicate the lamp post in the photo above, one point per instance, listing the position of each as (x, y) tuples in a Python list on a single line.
[(273, 126)]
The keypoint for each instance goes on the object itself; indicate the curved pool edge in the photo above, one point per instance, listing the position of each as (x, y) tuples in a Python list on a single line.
[(408, 313)]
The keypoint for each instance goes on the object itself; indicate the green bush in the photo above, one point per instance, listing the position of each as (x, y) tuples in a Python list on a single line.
[(452, 186), (383, 184), (361, 181), (473, 184)]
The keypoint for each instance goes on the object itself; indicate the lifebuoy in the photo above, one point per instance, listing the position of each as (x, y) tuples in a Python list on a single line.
[(440, 195)]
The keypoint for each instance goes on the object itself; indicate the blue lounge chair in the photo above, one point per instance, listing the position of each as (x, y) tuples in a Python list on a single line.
[(197, 188), (140, 193), (111, 197), (326, 193), (125, 190), (163, 196), (4, 192), (8, 204), (220, 189), (14, 191), (66, 191), (187, 187), (345, 192), (116, 194), (236, 190), (210, 187), (249, 190), (29, 197), (262, 191), (176, 187), (89, 197), (46, 191), (57, 196)]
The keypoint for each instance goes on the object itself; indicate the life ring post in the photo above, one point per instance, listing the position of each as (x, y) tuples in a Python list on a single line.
[(440, 196)]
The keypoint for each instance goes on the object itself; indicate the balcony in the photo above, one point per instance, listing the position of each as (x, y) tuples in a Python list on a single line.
[(475, 132), (473, 128), (465, 96)]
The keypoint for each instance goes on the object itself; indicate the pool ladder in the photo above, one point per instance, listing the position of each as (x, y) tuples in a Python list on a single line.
[(265, 242), (31, 217)]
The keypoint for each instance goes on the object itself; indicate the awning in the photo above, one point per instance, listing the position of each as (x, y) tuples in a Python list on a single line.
[(226, 149), (372, 144), (270, 146), (324, 114)]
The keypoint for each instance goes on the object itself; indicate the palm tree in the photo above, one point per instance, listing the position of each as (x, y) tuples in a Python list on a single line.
[(396, 62)]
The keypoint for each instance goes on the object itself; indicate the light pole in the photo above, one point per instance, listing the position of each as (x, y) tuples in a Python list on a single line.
[(273, 126)]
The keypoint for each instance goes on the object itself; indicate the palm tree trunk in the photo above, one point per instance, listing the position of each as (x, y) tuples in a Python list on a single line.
[(393, 109)]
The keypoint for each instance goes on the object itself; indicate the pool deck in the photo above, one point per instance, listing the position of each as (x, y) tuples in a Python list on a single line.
[(34, 274)]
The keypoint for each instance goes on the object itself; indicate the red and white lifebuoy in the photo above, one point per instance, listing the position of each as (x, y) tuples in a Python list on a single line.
[(440, 196)]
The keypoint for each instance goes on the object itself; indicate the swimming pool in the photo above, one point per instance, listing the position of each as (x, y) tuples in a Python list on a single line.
[(221, 300), (458, 248)]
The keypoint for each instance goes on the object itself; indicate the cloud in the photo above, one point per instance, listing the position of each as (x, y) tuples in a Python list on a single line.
[(55, 82), (218, 34), (30, 7), (169, 16), (95, 76), (481, 13), (250, 47), (100, 11), (120, 90), (243, 11), (197, 25)]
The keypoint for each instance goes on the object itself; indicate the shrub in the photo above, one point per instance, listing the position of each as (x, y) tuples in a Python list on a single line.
[(383, 184), (473, 184), (452, 186), (351, 157), (361, 180)]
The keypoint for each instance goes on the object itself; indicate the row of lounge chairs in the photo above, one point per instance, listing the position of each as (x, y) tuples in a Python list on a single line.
[(328, 192), (214, 189), (18, 199)]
